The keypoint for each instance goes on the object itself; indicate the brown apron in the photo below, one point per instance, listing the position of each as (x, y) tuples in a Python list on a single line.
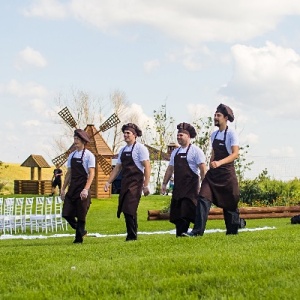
[(220, 185), (131, 185), (73, 205), (186, 189)]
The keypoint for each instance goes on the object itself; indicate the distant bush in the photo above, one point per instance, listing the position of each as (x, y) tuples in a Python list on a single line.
[(2, 182), (264, 191)]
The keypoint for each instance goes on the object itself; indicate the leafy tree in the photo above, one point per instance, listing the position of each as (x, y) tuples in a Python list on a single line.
[(203, 127), (163, 136), (241, 164), (2, 167)]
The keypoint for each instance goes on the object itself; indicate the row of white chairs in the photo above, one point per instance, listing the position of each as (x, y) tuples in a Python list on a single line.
[(36, 214)]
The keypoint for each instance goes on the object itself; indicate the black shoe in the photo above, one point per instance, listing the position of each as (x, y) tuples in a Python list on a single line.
[(79, 239), (190, 234), (130, 239)]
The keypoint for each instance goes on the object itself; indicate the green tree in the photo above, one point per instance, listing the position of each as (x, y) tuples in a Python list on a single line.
[(3, 183), (163, 135), (204, 128), (241, 164)]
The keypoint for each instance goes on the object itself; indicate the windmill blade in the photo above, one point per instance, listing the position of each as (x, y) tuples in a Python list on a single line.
[(104, 164), (109, 123), (67, 117), (61, 159)]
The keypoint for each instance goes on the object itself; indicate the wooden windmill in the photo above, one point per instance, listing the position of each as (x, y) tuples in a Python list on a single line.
[(97, 146)]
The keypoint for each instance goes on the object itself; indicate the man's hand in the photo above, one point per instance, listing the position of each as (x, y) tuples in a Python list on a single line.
[(163, 188), (84, 194), (106, 186), (215, 164), (146, 190), (62, 195)]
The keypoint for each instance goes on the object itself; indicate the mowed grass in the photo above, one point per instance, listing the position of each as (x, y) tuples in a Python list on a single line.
[(252, 265)]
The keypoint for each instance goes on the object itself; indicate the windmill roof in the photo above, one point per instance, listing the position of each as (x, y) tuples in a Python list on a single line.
[(97, 142), (35, 161)]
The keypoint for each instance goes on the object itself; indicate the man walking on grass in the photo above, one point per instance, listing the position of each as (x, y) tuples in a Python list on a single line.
[(187, 162), (220, 185), (79, 177), (134, 165)]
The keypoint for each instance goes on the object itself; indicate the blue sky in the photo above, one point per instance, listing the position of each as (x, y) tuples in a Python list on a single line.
[(193, 54)]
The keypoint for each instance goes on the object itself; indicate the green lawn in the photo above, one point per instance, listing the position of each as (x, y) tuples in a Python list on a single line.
[(252, 265)]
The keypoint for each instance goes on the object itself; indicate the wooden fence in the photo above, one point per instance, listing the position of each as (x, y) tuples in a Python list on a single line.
[(245, 212)]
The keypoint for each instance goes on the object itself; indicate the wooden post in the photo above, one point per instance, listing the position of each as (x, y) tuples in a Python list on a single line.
[(39, 173)]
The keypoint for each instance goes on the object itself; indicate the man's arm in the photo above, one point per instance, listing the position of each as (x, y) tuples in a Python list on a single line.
[(113, 175), (147, 173), (66, 183), (203, 170), (230, 158), (85, 192), (90, 179), (168, 175)]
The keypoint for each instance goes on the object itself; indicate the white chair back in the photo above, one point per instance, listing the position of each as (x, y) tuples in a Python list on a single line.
[(37, 218), (18, 215), (8, 213)]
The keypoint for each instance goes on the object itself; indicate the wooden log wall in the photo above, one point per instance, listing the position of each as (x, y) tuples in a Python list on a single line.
[(245, 212), (35, 187)]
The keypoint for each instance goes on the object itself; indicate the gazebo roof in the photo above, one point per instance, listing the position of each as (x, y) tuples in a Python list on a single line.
[(35, 161)]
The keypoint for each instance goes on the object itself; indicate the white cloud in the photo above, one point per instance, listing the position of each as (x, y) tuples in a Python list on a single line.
[(38, 105), (29, 56), (29, 89), (191, 57), (9, 125), (197, 111), (252, 138), (31, 123), (283, 152), (190, 21), (136, 111), (266, 77), (151, 65), (52, 9)]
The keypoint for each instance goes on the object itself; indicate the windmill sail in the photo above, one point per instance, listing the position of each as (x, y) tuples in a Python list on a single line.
[(67, 117), (105, 165), (109, 123), (61, 159)]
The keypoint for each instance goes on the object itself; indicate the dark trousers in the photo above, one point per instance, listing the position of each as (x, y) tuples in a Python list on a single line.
[(231, 218), (232, 221), (202, 211), (131, 227), (78, 225), (182, 226)]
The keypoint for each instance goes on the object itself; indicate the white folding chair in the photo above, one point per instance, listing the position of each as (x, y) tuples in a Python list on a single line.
[(27, 212), (37, 218), (58, 220), (18, 215), (8, 215), (48, 219)]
